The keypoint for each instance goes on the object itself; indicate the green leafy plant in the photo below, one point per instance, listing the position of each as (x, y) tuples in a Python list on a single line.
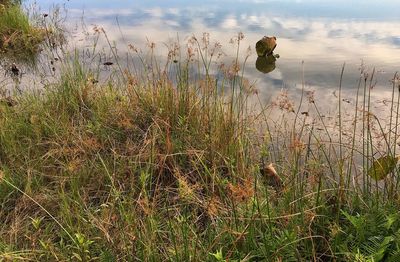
[(83, 248), (371, 237), (218, 255), (383, 166)]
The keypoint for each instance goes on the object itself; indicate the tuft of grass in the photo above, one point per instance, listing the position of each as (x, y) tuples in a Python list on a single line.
[(18, 39)]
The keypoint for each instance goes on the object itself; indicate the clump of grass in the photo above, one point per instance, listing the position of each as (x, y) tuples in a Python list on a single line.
[(162, 161), (144, 150), (18, 39)]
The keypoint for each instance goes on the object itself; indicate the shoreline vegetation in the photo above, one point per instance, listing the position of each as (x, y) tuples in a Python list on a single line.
[(19, 41), (167, 162)]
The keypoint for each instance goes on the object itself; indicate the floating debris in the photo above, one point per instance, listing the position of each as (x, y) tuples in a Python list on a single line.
[(271, 177), (266, 46), (346, 100), (15, 70)]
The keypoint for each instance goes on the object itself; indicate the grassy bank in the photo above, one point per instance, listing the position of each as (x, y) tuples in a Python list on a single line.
[(19, 40), (169, 163)]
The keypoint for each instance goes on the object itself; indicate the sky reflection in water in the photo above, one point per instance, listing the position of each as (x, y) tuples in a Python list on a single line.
[(322, 33)]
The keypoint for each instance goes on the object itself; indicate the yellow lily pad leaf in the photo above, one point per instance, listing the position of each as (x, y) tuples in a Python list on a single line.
[(383, 166)]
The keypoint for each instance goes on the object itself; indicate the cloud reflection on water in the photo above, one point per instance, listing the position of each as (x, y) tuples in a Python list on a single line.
[(322, 34)]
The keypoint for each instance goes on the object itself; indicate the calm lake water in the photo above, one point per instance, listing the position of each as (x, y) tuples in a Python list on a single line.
[(324, 34)]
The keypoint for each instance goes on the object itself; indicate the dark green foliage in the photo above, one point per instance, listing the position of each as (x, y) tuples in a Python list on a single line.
[(372, 236)]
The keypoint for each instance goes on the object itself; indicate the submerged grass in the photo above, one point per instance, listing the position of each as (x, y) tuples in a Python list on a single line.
[(169, 163)]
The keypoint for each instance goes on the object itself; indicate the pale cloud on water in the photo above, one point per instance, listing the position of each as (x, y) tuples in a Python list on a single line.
[(323, 43)]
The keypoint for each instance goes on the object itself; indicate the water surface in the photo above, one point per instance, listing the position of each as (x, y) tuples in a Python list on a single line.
[(322, 34)]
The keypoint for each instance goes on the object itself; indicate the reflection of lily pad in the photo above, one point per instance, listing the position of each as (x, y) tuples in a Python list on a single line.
[(265, 64)]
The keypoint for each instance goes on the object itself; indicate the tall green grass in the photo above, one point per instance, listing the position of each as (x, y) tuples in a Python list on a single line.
[(167, 161)]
